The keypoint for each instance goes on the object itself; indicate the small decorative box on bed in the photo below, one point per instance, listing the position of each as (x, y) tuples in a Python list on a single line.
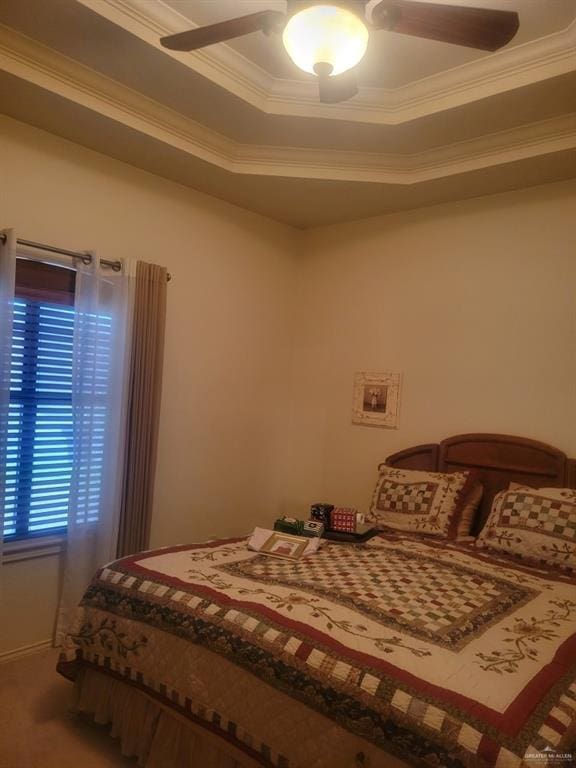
[(411, 650), (343, 519)]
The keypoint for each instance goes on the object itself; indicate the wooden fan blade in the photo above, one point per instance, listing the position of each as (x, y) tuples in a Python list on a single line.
[(338, 88), (482, 28), (265, 21)]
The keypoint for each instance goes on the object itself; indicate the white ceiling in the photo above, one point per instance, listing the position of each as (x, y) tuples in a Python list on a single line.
[(432, 122)]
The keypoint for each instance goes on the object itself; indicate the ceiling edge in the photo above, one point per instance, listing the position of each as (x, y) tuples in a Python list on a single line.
[(505, 70), (37, 64)]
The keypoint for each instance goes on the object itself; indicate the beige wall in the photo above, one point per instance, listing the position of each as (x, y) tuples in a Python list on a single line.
[(474, 303), (229, 335)]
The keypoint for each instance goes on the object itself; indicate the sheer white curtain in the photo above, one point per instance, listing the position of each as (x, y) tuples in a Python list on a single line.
[(99, 395), (7, 282)]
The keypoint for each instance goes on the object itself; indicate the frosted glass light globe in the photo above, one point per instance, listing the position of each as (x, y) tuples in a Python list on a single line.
[(325, 34)]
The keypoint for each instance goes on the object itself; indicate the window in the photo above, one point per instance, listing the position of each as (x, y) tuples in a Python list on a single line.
[(39, 459)]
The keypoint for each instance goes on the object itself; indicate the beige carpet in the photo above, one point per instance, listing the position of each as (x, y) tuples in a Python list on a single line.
[(36, 728)]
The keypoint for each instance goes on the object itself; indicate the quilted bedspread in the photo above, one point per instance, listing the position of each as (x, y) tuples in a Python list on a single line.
[(431, 651)]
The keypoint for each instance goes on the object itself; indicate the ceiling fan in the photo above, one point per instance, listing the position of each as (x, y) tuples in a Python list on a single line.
[(329, 37)]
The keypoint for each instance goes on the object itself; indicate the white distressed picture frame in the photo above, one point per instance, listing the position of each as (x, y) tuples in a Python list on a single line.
[(377, 399)]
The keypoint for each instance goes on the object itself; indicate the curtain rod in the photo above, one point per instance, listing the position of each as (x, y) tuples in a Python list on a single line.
[(84, 256)]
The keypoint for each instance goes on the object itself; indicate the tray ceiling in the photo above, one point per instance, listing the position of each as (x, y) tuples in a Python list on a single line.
[(432, 121), (392, 60)]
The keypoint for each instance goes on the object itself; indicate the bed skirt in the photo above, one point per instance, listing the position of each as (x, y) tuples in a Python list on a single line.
[(160, 737), (157, 736)]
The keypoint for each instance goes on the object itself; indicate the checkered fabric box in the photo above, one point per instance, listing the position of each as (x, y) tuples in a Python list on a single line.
[(343, 519)]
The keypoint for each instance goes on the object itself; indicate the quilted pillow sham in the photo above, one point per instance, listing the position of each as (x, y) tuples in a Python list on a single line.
[(430, 503), (535, 524)]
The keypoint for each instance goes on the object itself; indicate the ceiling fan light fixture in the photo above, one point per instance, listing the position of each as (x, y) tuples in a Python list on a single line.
[(326, 35)]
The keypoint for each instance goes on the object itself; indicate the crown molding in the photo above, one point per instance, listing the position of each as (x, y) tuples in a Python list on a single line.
[(220, 64), (505, 70), (39, 65), (543, 138)]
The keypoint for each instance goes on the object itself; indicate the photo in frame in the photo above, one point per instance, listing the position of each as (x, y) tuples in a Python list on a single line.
[(284, 545), (376, 399)]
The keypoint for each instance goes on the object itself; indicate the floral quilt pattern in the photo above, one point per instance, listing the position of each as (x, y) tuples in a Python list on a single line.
[(431, 650)]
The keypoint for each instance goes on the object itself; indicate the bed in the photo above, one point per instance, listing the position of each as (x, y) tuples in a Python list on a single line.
[(406, 650)]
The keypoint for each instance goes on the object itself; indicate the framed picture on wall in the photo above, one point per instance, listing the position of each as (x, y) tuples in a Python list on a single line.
[(376, 399)]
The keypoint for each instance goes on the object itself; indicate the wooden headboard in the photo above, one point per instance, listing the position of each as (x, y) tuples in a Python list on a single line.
[(497, 459)]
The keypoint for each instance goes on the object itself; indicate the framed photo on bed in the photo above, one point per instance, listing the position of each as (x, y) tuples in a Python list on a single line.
[(376, 399), (284, 545)]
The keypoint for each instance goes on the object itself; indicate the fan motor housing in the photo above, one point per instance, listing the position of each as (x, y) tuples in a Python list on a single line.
[(356, 6)]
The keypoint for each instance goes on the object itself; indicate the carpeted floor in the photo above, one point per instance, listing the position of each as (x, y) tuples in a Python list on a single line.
[(36, 728)]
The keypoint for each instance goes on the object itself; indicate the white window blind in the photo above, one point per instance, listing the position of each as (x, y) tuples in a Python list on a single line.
[(91, 411), (59, 411), (40, 442)]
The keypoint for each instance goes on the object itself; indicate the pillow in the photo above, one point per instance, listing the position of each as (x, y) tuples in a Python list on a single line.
[(536, 524), (423, 502), (469, 509), (512, 486)]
